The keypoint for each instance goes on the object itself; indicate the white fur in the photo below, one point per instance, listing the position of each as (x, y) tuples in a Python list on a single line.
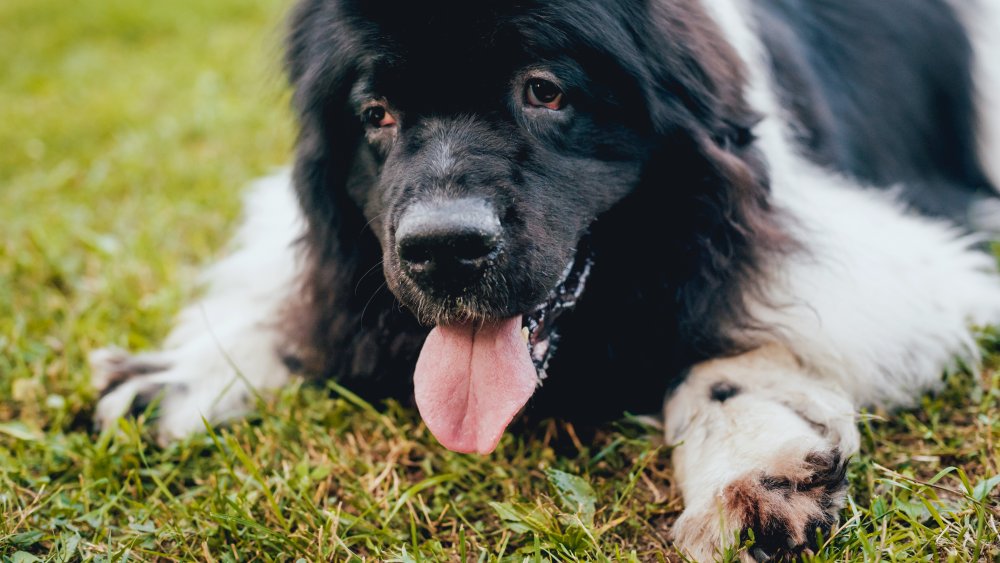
[(880, 300), (761, 430), (224, 347), (872, 312)]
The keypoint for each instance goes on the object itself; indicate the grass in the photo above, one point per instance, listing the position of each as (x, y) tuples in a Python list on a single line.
[(127, 130)]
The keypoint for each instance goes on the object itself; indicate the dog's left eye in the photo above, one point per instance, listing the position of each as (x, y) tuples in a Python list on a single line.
[(541, 93)]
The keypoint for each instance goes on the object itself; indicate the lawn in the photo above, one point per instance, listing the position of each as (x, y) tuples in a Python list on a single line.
[(127, 130)]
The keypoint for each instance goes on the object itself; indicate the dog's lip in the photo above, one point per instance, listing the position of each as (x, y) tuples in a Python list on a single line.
[(542, 336)]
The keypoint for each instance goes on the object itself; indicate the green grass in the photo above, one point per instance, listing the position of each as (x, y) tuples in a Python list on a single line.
[(126, 132)]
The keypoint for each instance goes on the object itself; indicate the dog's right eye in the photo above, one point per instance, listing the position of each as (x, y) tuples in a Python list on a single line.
[(541, 93), (377, 116)]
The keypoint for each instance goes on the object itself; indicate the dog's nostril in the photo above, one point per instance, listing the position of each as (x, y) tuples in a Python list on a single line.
[(414, 251), (447, 261), (450, 244), (469, 247), (447, 244)]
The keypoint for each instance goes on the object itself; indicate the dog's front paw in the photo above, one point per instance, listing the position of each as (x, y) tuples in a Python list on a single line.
[(127, 384), (185, 394), (782, 508)]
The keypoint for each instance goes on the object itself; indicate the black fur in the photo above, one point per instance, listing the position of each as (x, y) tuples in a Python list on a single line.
[(654, 163), (884, 93)]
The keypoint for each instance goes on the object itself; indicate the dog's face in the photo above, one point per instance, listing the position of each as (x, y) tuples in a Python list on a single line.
[(486, 154), (480, 142)]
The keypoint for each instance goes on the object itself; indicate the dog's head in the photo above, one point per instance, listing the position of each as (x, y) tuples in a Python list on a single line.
[(471, 148)]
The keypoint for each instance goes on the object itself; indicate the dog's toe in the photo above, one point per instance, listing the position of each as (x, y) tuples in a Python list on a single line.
[(132, 397), (112, 366), (184, 393), (781, 511), (785, 508)]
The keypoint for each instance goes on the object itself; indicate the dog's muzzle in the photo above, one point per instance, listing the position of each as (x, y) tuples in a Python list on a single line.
[(446, 247)]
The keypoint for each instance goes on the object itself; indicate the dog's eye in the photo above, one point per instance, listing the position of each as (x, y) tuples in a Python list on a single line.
[(541, 93), (377, 116)]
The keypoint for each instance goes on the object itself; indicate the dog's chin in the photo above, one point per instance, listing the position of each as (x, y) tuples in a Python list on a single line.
[(476, 371)]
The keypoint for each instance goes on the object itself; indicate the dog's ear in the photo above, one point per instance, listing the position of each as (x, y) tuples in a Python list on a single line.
[(342, 323), (709, 179)]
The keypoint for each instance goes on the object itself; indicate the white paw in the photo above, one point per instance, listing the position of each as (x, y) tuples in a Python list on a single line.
[(188, 386), (783, 507)]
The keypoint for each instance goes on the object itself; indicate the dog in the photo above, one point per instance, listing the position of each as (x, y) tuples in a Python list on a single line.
[(759, 216)]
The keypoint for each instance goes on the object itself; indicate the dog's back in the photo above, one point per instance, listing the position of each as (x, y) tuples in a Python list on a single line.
[(882, 91)]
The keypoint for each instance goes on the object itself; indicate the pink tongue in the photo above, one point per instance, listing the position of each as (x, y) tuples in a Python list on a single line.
[(471, 381)]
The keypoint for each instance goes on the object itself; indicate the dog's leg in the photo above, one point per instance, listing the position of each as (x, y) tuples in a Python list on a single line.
[(762, 449), (224, 347)]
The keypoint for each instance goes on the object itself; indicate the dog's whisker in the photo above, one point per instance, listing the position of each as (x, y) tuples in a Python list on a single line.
[(366, 274), (370, 300), (370, 221)]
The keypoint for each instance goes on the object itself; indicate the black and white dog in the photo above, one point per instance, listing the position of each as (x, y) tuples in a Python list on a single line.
[(770, 212)]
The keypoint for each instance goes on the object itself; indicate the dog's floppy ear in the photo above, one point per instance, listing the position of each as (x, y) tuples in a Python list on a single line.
[(342, 322), (710, 179)]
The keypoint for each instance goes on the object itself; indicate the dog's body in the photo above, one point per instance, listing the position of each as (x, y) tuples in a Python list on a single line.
[(670, 197)]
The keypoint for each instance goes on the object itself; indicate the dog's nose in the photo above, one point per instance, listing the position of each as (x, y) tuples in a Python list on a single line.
[(447, 246)]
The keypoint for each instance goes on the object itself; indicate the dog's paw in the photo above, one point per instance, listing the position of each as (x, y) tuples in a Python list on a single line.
[(185, 395), (783, 509)]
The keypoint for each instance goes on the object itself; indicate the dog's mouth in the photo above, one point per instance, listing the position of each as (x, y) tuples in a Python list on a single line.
[(473, 378)]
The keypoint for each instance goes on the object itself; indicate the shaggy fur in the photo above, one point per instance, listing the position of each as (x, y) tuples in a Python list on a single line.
[(660, 133), (767, 213)]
